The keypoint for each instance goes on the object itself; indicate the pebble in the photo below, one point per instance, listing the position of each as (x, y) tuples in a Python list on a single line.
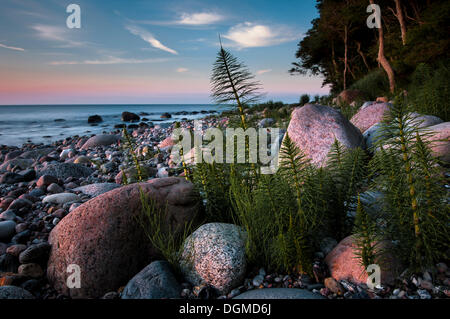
[(423, 294), (258, 280), (31, 270)]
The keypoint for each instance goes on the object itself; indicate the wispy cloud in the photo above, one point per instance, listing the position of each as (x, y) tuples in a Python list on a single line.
[(11, 48), (57, 34), (202, 18), (196, 19), (148, 37), (263, 71), (182, 70), (249, 35), (108, 61)]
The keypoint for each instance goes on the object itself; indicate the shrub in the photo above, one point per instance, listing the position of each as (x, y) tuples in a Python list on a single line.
[(304, 99), (429, 91), (374, 84)]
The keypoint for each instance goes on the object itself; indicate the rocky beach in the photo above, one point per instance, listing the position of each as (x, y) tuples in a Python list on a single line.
[(64, 203)]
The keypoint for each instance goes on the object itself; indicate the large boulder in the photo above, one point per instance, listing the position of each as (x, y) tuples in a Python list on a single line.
[(156, 281), (65, 170), (314, 128), (440, 141), (279, 293), (370, 115), (215, 255), (372, 135), (95, 119), (22, 163), (130, 117), (349, 96), (106, 241), (344, 264), (421, 121), (96, 189), (100, 140)]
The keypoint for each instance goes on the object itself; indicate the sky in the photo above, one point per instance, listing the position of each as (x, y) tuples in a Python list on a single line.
[(147, 52)]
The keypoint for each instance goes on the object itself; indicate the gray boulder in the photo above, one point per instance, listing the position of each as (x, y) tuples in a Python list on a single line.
[(96, 189), (100, 140), (61, 198), (156, 281), (65, 170), (215, 254)]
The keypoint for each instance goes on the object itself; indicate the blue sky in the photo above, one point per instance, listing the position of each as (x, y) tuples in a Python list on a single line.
[(146, 51)]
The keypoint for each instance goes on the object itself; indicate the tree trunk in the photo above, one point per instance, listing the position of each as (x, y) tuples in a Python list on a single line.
[(345, 56), (382, 59), (401, 20), (358, 49)]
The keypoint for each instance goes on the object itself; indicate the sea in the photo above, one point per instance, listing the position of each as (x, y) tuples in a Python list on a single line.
[(21, 124)]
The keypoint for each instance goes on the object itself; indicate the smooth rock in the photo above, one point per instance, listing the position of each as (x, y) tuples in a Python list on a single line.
[(11, 178), (100, 140), (156, 281), (95, 119), (31, 270), (46, 180), (54, 189), (130, 117), (370, 115), (15, 250), (82, 160), (349, 96), (440, 141), (103, 237), (65, 170), (35, 253), (8, 215), (61, 198), (96, 189), (314, 128), (344, 264), (215, 255), (7, 230), (22, 163)]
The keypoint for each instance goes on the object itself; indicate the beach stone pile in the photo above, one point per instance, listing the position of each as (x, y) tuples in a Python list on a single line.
[(68, 203)]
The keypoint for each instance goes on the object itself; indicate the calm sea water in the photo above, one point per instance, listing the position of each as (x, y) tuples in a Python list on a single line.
[(35, 123)]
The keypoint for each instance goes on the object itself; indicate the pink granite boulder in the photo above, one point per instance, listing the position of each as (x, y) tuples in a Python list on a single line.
[(314, 128), (104, 238)]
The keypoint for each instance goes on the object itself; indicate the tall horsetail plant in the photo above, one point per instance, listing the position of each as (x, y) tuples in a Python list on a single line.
[(407, 173), (295, 167), (131, 148), (186, 170), (347, 170), (232, 82), (365, 235)]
